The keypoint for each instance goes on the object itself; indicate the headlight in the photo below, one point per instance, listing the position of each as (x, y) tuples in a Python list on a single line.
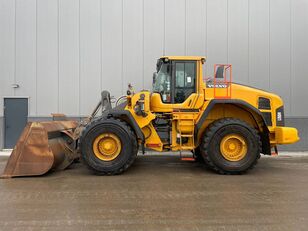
[(280, 116)]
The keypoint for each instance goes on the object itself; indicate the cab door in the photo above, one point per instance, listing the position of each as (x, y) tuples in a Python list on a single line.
[(182, 100), (184, 84), (184, 95)]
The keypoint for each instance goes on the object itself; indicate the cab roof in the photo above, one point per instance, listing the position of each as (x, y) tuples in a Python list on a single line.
[(184, 57)]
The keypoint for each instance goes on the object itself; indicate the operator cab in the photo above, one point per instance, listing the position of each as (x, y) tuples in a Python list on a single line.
[(175, 82)]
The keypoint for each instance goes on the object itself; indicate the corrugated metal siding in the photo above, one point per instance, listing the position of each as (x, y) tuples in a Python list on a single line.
[(62, 53)]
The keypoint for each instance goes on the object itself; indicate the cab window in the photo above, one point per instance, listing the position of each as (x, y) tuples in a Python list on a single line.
[(162, 83), (185, 80)]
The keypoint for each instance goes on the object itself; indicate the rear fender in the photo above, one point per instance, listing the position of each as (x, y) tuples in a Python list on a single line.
[(254, 112)]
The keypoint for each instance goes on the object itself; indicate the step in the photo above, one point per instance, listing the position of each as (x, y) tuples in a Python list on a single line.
[(187, 124), (186, 135), (188, 159)]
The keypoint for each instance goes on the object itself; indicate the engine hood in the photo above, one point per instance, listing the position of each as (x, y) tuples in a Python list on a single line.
[(246, 93), (252, 95)]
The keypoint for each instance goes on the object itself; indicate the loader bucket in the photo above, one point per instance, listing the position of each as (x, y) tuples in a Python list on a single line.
[(42, 146)]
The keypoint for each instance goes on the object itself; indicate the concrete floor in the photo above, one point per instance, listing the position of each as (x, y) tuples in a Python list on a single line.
[(160, 193)]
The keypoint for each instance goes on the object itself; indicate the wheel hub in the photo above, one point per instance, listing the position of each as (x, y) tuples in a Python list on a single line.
[(107, 146), (233, 147)]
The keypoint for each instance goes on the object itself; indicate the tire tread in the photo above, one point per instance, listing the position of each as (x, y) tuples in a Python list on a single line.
[(209, 133), (131, 134)]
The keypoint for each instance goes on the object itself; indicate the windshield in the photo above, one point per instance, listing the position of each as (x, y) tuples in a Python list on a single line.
[(162, 82)]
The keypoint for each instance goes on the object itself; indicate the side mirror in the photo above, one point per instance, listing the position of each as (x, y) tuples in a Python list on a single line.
[(168, 67), (154, 77), (220, 72), (158, 64)]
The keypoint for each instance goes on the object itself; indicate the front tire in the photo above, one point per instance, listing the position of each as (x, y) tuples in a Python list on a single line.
[(108, 146), (230, 146)]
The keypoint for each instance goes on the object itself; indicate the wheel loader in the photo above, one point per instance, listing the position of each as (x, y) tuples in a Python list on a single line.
[(221, 123)]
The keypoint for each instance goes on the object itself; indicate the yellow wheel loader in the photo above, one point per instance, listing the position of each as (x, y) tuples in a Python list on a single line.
[(224, 124)]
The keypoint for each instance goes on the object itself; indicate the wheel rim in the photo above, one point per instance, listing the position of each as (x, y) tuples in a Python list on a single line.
[(107, 146), (233, 147)]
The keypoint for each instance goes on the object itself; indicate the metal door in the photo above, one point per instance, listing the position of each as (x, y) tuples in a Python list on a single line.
[(15, 119)]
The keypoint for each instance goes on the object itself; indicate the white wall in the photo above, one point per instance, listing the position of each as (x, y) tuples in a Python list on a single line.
[(62, 53)]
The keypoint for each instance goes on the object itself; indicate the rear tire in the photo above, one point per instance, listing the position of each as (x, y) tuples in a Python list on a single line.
[(123, 142), (243, 141), (198, 156)]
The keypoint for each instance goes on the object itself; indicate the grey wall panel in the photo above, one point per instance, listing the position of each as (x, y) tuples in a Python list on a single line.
[(299, 104), (280, 70), (7, 49), (62, 53), (195, 27), (47, 57), (25, 63), (111, 28), (153, 38), (265, 40), (217, 42), (69, 57), (238, 52), (90, 55), (175, 36), (259, 43), (133, 44)]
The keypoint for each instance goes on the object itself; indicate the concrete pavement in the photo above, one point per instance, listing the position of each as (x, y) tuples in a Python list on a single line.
[(161, 193)]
